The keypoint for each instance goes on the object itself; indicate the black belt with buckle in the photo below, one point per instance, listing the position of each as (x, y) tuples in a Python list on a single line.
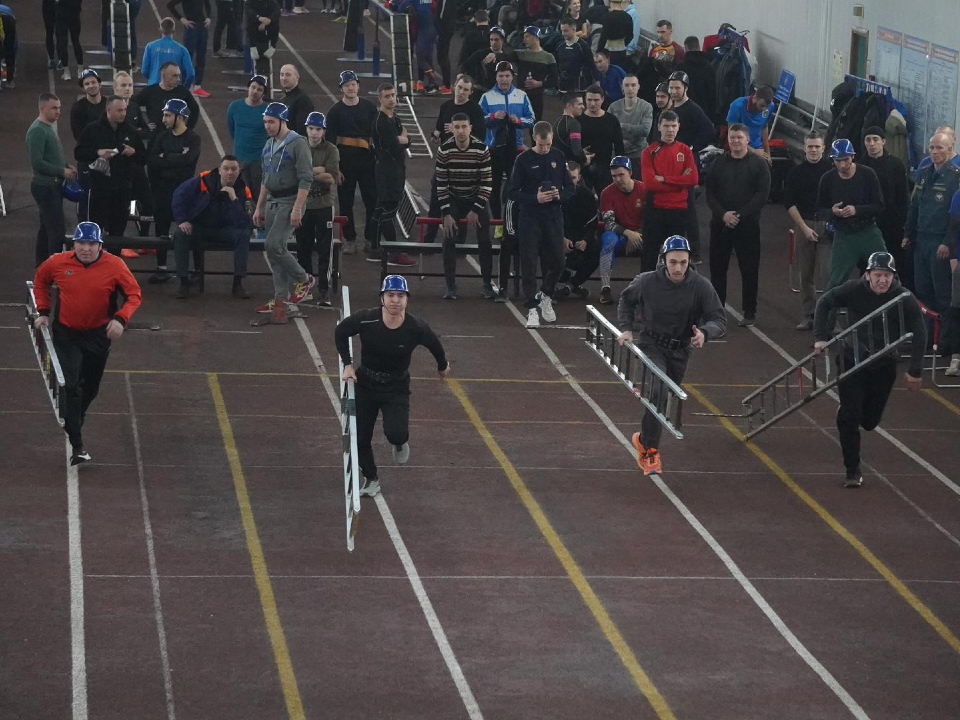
[(289, 192), (383, 378), (663, 341)]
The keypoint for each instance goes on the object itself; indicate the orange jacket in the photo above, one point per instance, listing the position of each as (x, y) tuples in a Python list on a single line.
[(89, 294)]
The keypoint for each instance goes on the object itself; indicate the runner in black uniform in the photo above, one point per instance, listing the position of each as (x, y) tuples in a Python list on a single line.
[(388, 337)]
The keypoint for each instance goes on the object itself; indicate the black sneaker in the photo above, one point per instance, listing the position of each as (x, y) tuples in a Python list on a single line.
[(580, 291), (606, 296), (561, 292), (183, 292), (488, 293), (159, 277), (451, 293), (373, 256), (853, 479), (748, 320), (323, 298), (501, 295), (79, 456)]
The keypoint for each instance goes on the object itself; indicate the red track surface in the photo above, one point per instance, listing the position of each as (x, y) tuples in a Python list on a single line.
[(567, 585)]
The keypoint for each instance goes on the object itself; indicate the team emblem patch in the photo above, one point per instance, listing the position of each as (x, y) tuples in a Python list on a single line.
[(68, 272), (680, 157), (939, 197), (553, 164)]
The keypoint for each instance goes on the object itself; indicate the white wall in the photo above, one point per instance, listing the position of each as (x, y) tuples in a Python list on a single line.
[(787, 34)]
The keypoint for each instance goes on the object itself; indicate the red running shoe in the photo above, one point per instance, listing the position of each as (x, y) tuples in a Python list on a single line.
[(401, 260), (302, 289)]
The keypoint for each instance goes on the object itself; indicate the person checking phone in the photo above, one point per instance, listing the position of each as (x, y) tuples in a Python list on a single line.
[(540, 184), (849, 197)]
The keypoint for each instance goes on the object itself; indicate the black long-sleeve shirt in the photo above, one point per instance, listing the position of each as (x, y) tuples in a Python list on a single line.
[(603, 136), (530, 171), (741, 185), (617, 29), (862, 191), (696, 129), (173, 158), (352, 121), (893, 186), (860, 301), (300, 105), (801, 186), (386, 350), (580, 215), (153, 97), (83, 113), (194, 10), (471, 108)]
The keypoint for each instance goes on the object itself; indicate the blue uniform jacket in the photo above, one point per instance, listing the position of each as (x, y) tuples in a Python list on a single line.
[(192, 197), (514, 102)]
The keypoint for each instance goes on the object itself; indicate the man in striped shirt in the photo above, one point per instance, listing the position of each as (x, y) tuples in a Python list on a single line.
[(464, 183)]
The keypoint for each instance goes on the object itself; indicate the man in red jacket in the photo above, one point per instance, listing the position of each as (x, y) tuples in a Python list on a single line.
[(621, 212), (669, 172), (90, 282)]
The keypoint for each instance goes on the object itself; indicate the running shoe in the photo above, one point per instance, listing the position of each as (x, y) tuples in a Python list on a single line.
[(267, 307), (498, 232), (546, 308), (501, 295), (748, 320), (650, 463), (128, 253), (79, 456), (401, 453), (488, 293), (349, 247), (451, 293), (371, 487), (853, 479), (954, 368), (533, 318), (300, 10), (200, 92), (302, 289), (606, 295), (444, 90), (401, 260), (66, 73), (580, 291), (641, 450)]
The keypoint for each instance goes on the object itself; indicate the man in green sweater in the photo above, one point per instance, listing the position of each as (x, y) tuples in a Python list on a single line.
[(49, 173)]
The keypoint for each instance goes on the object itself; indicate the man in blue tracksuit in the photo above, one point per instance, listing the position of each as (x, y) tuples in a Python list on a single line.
[(540, 184), (166, 49), (927, 225), (507, 112)]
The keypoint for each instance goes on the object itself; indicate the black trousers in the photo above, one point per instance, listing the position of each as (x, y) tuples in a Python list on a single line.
[(357, 167), (693, 224), (541, 238), (393, 402), (52, 224), (68, 22), (581, 264), (83, 357), (10, 46), (143, 194), (502, 158), (315, 231), (459, 210), (674, 364), (430, 235), (658, 225), (390, 181), (444, 36), (49, 10), (509, 249), (162, 192), (863, 396), (745, 239), (226, 20), (110, 209)]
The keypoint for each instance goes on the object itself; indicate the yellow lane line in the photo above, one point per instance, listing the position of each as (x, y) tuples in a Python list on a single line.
[(271, 616), (864, 552), (600, 614), (943, 401)]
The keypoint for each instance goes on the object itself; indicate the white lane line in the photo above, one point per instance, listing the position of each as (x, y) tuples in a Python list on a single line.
[(767, 340), (151, 556), (78, 642), (439, 636), (825, 675)]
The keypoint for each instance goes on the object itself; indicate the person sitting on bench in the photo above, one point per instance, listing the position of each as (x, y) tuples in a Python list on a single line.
[(213, 209)]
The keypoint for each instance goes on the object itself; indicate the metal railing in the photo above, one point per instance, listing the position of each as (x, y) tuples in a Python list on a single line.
[(658, 393), (348, 428), (42, 341), (791, 389)]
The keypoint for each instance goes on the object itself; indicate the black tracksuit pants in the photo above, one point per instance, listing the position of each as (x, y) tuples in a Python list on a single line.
[(745, 239), (357, 167), (314, 231), (863, 396), (83, 356), (393, 402), (541, 238), (674, 364)]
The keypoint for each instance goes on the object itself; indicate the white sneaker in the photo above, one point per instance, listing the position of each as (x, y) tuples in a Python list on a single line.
[(370, 488), (66, 73), (533, 319), (401, 453), (954, 369), (546, 308)]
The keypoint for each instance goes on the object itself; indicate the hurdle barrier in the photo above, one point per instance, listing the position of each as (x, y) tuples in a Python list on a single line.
[(937, 325)]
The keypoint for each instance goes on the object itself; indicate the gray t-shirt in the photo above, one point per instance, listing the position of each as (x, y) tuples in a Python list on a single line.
[(635, 124)]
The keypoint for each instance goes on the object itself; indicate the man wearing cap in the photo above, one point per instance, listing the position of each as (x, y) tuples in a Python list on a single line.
[(297, 101), (388, 336), (213, 209), (106, 153), (540, 184), (536, 68), (49, 173), (849, 198), (287, 177), (89, 107), (893, 186), (621, 212), (153, 98), (754, 112), (668, 313), (738, 187), (173, 160), (610, 77), (317, 227), (463, 189), (86, 323), (635, 116), (927, 233), (245, 125), (507, 112), (349, 124), (864, 394), (670, 173), (482, 64)]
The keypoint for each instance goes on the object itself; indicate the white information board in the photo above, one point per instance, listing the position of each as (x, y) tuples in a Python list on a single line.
[(941, 88), (887, 60)]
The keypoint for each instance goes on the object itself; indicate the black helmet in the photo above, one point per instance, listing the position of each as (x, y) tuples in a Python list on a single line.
[(681, 76), (881, 261)]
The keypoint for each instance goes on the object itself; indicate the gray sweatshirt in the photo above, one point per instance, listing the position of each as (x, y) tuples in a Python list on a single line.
[(635, 124), (655, 303), (287, 165)]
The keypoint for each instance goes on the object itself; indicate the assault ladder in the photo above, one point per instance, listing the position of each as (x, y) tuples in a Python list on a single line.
[(42, 342), (348, 428)]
